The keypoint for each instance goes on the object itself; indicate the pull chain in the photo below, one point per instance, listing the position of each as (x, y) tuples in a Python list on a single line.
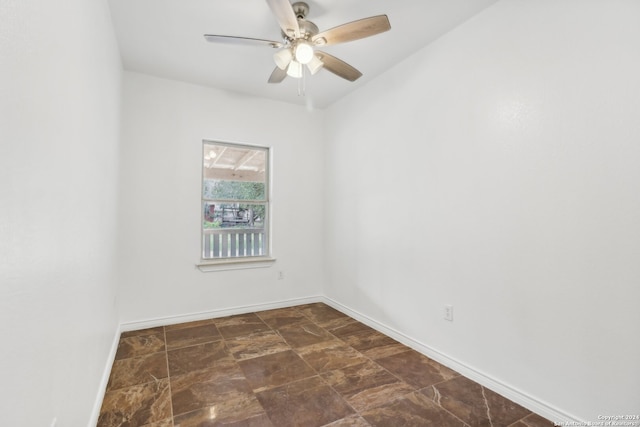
[(302, 82)]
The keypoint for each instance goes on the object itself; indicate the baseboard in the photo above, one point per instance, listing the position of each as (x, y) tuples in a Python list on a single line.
[(534, 404), (95, 414), (211, 314)]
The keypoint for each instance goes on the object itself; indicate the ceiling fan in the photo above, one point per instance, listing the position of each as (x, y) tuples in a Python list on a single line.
[(301, 39)]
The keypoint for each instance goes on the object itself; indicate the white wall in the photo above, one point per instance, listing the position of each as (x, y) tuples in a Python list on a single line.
[(59, 122), (497, 170), (164, 123)]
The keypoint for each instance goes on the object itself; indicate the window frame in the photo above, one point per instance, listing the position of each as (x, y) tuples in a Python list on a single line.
[(245, 261)]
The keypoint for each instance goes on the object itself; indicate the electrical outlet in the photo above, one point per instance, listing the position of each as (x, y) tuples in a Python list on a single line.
[(280, 275), (448, 313)]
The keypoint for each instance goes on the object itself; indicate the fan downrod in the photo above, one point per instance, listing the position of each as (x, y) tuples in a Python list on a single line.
[(301, 9)]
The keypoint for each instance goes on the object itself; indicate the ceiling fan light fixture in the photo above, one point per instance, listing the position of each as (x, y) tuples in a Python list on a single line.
[(304, 52), (315, 64), (301, 37), (295, 70), (282, 58)]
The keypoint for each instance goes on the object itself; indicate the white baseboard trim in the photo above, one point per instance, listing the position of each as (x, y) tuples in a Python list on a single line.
[(183, 318), (534, 404), (95, 413)]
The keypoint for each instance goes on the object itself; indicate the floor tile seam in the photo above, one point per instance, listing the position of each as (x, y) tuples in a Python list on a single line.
[(177, 327), (419, 390), (257, 313), (308, 317), (283, 338), (329, 424), (367, 358), (159, 335), (193, 345), (350, 345), (130, 334), (344, 398), (395, 397), (258, 390), (400, 379), (522, 419), (458, 375), (481, 386), (194, 327), (405, 396), (244, 334), (319, 375), (153, 380), (324, 348), (327, 331), (200, 409), (254, 394), (120, 389), (439, 405), (236, 359), (339, 338), (209, 369), (166, 353), (346, 402), (230, 357), (275, 331), (363, 334), (295, 350), (139, 356)]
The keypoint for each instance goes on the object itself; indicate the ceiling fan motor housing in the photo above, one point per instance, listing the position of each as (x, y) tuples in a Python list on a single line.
[(301, 9), (307, 28)]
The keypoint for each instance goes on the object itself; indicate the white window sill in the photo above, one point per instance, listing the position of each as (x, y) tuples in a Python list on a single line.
[(235, 264)]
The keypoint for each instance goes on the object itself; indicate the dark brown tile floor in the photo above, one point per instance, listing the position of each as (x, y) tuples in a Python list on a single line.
[(308, 366)]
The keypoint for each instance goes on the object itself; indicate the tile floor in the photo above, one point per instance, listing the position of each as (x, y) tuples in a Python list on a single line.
[(307, 365)]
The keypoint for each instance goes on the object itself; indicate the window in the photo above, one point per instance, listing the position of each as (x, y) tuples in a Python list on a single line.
[(235, 201)]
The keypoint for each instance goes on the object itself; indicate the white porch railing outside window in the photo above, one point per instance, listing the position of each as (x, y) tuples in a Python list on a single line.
[(233, 242)]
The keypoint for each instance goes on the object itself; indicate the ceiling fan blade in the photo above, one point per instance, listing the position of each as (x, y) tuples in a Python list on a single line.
[(354, 30), (285, 16), (278, 75), (339, 67), (248, 41)]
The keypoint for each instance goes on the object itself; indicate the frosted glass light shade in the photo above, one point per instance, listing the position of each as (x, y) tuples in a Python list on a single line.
[(282, 58), (315, 64), (295, 70), (304, 53)]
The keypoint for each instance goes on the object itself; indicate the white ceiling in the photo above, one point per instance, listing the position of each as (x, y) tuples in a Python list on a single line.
[(164, 38)]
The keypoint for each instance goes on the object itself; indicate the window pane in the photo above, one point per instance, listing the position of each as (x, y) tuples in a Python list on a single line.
[(233, 215), (233, 230), (236, 190), (234, 172)]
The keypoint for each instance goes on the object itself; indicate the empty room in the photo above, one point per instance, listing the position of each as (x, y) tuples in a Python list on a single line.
[(320, 213)]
